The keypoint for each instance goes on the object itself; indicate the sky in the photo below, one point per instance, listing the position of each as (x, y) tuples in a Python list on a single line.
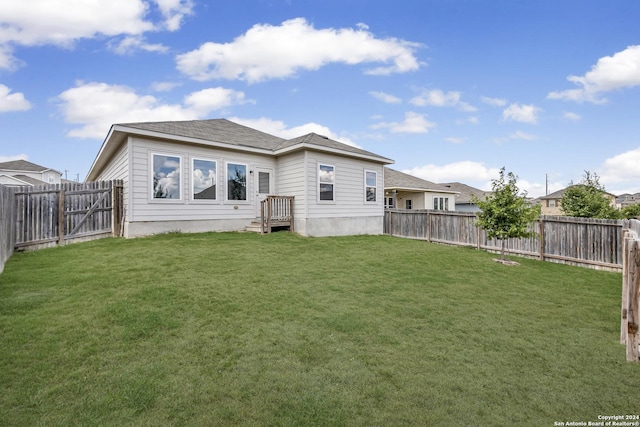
[(451, 90)]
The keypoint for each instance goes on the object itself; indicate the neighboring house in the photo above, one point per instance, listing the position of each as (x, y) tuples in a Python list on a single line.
[(464, 201), (19, 173), (624, 200), (210, 175), (551, 204), (404, 191)]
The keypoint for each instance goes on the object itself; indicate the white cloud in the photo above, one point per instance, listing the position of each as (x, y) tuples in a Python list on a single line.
[(279, 128), (571, 116), (463, 171), (620, 71), (164, 86), (621, 173), (413, 123), (59, 23), (496, 102), (522, 135), (521, 113), (117, 104), (12, 101), (438, 98), (385, 97), (174, 12), (456, 140), (268, 52), (132, 44)]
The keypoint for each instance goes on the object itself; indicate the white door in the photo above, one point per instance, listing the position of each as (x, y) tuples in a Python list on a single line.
[(264, 186)]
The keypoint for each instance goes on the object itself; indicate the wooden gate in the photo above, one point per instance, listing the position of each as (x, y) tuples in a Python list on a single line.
[(630, 316), (57, 214)]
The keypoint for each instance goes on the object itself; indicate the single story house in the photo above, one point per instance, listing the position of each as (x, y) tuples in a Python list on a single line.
[(404, 191), (172, 173), (18, 173), (465, 198)]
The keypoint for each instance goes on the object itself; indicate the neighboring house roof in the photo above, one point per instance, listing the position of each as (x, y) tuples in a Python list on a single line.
[(628, 199), (466, 192), (23, 166), (223, 133), (394, 179), (28, 180), (558, 194)]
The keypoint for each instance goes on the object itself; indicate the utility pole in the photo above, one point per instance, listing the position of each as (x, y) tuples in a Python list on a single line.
[(546, 184)]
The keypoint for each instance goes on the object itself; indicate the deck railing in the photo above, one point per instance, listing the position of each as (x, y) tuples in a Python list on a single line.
[(276, 211)]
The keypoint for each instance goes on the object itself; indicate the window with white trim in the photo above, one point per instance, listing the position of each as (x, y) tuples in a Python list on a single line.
[(326, 182), (236, 181), (166, 177), (204, 179), (370, 186), (441, 203)]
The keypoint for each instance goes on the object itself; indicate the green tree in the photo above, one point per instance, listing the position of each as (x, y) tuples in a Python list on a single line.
[(631, 211), (505, 213), (588, 199)]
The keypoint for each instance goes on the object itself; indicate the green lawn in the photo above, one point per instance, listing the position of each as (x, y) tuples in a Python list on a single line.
[(243, 329)]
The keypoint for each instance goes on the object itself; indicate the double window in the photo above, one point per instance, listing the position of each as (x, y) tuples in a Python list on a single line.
[(441, 203)]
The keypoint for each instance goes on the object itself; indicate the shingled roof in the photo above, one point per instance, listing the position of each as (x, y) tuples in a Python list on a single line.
[(466, 192), (22, 165), (401, 180)]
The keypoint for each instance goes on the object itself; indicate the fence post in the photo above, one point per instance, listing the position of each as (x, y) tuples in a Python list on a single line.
[(633, 307), (626, 237), (541, 234), (61, 217)]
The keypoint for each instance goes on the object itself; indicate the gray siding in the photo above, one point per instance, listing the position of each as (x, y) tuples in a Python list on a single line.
[(349, 192), (118, 168), (144, 208), (290, 178)]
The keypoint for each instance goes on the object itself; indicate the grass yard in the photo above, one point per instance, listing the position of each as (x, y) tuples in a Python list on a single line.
[(242, 329)]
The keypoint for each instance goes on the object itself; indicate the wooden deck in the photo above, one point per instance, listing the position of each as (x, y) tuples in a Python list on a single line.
[(275, 212)]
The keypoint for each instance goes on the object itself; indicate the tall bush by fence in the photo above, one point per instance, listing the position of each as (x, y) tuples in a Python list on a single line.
[(581, 241), (49, 215), (7, 224)]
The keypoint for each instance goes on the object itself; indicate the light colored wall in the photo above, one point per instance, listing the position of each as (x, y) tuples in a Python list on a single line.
[(290, 173), (546, 210), (47, 177), (349, 190), (347, 226), (144, 208)]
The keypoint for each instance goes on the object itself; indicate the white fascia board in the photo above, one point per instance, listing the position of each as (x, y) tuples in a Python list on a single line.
[(377, 159)]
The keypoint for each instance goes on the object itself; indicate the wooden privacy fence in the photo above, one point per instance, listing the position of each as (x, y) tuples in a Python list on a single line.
[(57, 214), (7, 224), (630, 313), (596, 243)]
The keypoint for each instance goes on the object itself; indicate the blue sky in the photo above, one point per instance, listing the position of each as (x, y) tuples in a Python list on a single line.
[(452, 90)]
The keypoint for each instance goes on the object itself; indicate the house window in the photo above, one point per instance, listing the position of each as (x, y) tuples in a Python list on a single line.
[(165, 173), (551, 203), (204, 179), (326, 182), (407, 204), (441, 203), (236, 181), (389, 202), (263, 183), (370, 185)]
